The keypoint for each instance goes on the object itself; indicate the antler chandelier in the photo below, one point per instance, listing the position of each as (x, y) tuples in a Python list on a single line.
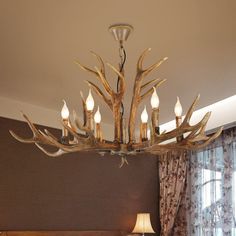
[(87, 136)]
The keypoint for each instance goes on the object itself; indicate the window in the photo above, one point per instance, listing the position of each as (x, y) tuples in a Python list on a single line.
[(212, 183)]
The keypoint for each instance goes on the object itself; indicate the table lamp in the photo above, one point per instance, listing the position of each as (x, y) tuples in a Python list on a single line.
[(143, 224)]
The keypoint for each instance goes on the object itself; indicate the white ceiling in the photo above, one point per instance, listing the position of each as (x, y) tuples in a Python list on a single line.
[(41, 38)]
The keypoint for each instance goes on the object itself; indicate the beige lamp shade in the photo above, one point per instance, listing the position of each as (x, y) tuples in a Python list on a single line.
[(143, 224)]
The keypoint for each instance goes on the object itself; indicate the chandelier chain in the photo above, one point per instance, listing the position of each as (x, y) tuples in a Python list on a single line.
[(122, 54)]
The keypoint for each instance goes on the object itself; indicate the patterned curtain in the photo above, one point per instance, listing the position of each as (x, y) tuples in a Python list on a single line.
[(172, 173), (212, 188)]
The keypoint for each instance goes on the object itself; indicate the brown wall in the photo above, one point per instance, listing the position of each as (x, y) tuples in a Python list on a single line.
[(78, 191)]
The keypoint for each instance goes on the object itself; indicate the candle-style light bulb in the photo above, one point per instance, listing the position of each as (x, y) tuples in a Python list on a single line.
[(65, 111), (154, 99), (144, 115), (90, 101), (97, 116), (148, 134), (178, 108)]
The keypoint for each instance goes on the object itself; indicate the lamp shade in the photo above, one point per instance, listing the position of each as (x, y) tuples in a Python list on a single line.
[(143, 224)]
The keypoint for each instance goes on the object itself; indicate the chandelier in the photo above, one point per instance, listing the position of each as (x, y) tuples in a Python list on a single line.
[(87, 135)]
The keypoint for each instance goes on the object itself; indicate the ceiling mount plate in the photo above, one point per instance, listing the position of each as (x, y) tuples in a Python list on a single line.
[(121, 32)]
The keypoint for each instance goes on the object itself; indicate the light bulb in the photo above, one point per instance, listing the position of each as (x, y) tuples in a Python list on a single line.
[(178, 108), (65, 111), (148, 134), (144, 115), (154, 99), (97, 116), (90, 101)]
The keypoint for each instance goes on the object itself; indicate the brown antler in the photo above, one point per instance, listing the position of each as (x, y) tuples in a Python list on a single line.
[(195, 138), (114, 99), (80, 142), (138, 87)]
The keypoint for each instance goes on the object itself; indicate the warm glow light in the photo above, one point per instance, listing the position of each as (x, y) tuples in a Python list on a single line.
[(97, 116), (143, 224), (154, 99), (178, 108), (144, 115), (148, 134), (65, 111), (90, 101)]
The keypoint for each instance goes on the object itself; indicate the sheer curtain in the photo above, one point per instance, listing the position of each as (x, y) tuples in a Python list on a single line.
[(211, 188)]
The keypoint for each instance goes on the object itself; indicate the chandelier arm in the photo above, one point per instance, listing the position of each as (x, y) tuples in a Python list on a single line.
[(104, 82), (102, 65), (49, 134), (154, 66), (85, 68), (59, 152), (183, 128), (150, 91), (164, 148), (199, 134), (76, 136), (116, 98), (87, 144), (98, 91), (22, 140), (141, 58), (99, 75), (123, 162), (196, 135), (66, 147), (90, 146), (183, 145), (79, 124), (133, 110), (198, 138), (49, 140), (191, 110), (37, 136), (31, 125), (150, 68), (141, 73), (100, 61), (149, 82), (194, 144), (158, 149)]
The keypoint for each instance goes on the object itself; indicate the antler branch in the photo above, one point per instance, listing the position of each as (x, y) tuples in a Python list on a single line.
[(137, 98), (150, 91)]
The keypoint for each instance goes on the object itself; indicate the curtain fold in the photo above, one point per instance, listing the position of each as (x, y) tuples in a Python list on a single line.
[(172, 175)]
